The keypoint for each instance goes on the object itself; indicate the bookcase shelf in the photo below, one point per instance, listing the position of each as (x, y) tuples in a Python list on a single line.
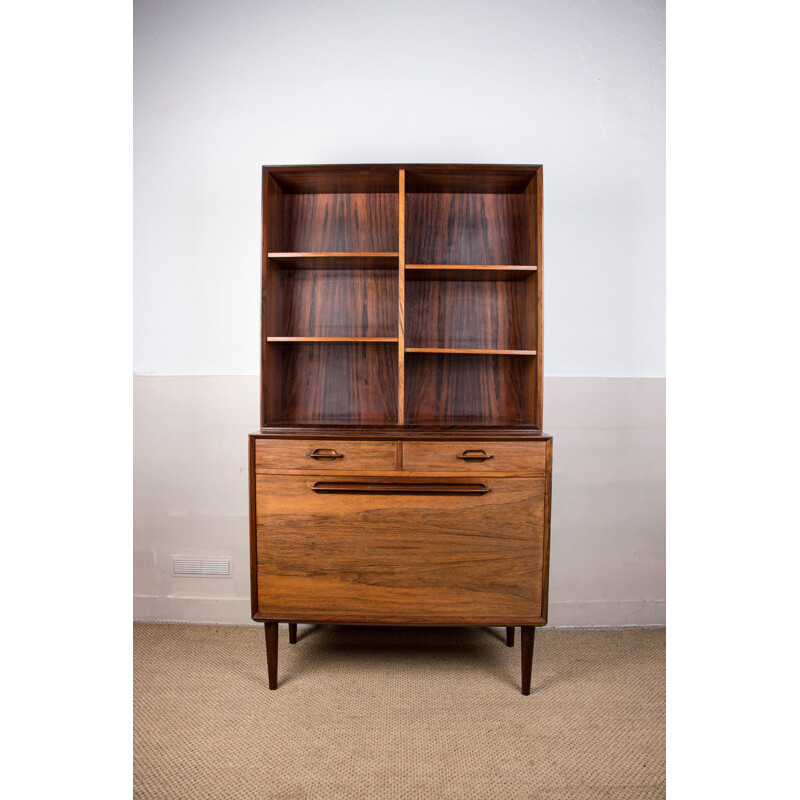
[(467, 272), (466, 351), (404, 295), (335, 260), (331, 339)]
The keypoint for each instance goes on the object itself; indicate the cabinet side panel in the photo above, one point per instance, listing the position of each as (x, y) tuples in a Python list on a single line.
[(271, 302), (533, 382), (546, 549), (251, 471)]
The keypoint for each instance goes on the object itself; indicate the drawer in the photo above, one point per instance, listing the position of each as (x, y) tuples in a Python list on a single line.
[(332, 455), (475, 456), (402, 550)]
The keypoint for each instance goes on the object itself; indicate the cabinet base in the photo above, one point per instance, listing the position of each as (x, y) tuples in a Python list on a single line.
[(528, 633)]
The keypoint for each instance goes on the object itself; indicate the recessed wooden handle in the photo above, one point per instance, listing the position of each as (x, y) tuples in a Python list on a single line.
[(325, 454), (474, 455), (351, 487)]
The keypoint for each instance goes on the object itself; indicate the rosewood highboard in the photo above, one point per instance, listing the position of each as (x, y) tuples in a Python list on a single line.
[(400, 475)]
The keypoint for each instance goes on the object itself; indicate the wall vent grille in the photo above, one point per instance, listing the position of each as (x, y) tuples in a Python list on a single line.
[(201, 567)]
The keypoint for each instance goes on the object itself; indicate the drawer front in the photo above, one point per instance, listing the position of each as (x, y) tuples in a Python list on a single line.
[(475, 456), (450, 550), (336, 454)]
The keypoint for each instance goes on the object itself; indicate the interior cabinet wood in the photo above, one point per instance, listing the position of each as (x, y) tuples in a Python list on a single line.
[(401, 475)]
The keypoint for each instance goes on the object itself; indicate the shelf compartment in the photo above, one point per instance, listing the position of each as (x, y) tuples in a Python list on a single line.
[(342, 211), (331, 383), (468, 389), (332, 303), (335, 260), (466, 351), (471, 315), (482, 217), (468, 272)]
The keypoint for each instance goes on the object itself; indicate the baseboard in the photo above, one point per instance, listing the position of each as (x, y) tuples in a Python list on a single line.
[(224, 610), (563, 613), (601, 613)]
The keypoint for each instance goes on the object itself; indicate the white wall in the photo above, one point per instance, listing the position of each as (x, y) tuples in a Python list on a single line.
[(224, 86)]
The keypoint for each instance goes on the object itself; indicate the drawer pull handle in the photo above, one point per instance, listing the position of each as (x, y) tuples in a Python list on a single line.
[(342, 487), (474, 455), (325, 454)]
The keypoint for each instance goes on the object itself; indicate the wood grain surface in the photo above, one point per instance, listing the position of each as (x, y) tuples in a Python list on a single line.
[(339, 223), (318, 454), (345, 382), (466, 314), (400, 559), (477, 388), (466, 456), (465, 228), (339, 302)]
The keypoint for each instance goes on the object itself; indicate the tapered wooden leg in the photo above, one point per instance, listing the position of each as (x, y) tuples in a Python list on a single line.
[(509, 637), (292, 633), (271, 634), (528, 632)]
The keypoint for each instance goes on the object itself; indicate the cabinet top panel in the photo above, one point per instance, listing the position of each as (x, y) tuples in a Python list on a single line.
[(368, 178)]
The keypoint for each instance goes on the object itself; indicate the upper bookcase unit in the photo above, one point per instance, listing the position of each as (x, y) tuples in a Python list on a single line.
[(402, 295)]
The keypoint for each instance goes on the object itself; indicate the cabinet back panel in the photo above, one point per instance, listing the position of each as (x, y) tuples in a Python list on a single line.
[(340, 223), (357, 302), (468, 314), (474, 389), (466, 228), (339, 382)]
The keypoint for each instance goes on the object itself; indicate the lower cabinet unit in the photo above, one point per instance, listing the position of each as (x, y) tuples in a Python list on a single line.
[(462, 539)]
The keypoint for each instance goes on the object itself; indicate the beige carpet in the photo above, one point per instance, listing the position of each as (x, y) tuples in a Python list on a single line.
[(400, 713)]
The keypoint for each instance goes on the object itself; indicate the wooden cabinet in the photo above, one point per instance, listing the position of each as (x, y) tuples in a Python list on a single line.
[(400, 475)]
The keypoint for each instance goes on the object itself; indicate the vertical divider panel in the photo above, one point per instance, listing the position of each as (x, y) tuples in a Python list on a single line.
[(401, 290)]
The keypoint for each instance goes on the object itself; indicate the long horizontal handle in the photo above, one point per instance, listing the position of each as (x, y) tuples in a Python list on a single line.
[(351, 487)]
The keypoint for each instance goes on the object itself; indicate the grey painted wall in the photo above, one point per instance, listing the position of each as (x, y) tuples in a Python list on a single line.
[(607, 554)]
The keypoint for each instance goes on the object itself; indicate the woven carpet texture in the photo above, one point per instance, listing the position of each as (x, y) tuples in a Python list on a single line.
[(406, 713)]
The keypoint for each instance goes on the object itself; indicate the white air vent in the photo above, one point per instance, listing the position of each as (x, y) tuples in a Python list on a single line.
[(202, 567)]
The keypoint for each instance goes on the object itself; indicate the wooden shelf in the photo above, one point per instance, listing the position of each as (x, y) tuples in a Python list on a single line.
[(468, 272), (471, 352), (331, 338), (471, 424), (335, 260)]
